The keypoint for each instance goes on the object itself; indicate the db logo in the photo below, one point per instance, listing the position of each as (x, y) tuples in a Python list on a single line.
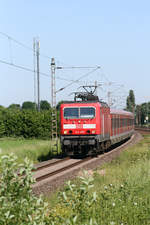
[(79, 126)]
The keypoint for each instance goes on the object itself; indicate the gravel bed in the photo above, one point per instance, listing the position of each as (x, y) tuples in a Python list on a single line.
[(53, 183)]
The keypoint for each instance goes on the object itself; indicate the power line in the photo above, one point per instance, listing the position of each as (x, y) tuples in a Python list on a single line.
[(33, 71), (41, 54), (22, 67), (22, 44), (78, 79)]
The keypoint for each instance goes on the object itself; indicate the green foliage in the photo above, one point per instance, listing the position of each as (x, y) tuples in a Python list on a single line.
[(2, 107), (76, 204), (130, 104), (120, 197), (2, 126), (17, 203), (58, 105), (29, 105), (143, 113), (35, 149), (14, 106), (26, 123), (120, 194), (44, 105)]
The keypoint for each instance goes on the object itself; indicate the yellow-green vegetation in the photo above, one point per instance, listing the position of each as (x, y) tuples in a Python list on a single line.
[(36, 150), (17, 203), (116, 193)]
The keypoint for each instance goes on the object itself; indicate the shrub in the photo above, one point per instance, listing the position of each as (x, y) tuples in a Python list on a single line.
[(17, 203), (2, 126), (76, 204), (26, 123)]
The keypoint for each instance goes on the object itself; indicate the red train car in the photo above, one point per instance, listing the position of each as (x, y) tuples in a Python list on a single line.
[(122, 125), (91, 126)]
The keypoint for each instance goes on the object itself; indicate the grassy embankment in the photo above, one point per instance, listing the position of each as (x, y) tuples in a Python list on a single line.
[(122, 187), (36, 150)]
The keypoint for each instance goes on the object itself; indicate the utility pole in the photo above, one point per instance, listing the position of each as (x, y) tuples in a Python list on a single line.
[(38, 72), (53, 84), (54, 136), (34, 68)]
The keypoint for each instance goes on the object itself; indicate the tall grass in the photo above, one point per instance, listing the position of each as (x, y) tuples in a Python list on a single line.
[(122, 187), (35, 149)]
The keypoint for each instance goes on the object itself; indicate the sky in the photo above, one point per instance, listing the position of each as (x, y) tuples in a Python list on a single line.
[(114, 35)]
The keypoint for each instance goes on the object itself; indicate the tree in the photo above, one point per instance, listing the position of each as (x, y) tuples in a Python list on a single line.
[(58, 105), (2, 108), (29, 105), (130, 103), (44, 105), (2, 126), (14, 106)]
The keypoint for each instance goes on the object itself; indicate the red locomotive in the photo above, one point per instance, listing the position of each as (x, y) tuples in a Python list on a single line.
[(91, 126)]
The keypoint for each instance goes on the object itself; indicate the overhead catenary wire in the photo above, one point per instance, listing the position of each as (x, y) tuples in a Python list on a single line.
[(98, 67), (31, 70), (22, 44), (10, 38)]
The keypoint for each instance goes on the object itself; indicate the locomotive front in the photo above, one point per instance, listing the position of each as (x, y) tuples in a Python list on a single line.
[(79, 127)]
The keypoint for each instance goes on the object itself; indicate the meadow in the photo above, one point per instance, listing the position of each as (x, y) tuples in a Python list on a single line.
[(35, 149), (115, 193)]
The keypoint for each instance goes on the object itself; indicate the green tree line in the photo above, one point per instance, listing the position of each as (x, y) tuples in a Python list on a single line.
[(141, 111), (25, 121)]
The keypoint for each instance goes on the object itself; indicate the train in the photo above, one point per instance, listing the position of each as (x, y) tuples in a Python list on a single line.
[(90, 126)]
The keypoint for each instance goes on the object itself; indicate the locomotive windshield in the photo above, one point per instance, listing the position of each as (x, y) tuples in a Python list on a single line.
[(71, 112), (82, 112), (88, 112)]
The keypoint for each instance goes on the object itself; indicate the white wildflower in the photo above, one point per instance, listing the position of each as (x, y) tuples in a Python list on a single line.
[(113, 204), (121, 185), (110, 185), (105, 187), (112, 223), (135, 203)]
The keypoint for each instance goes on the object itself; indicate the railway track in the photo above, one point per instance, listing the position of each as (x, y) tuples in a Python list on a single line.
[(48, 163), (54, 173), (143, 130), (57, 167)]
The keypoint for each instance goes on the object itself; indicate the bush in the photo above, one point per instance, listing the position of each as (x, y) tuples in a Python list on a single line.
[(2, 126), (17, 203), (26, 123), (76, 204)]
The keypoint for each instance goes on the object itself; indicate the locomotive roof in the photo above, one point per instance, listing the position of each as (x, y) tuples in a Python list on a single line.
[(103, 104), (120, 111)]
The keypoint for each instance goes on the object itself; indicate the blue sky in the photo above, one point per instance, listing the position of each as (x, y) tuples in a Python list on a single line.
[(113, 34)]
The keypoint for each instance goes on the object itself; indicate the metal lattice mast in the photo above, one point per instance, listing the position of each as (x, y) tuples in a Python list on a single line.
[(38, 72), (34, 66), (53, 84), (54, 135)]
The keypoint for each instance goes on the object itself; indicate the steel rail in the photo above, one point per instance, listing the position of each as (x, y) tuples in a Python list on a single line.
[(59, 170), (48, 163)]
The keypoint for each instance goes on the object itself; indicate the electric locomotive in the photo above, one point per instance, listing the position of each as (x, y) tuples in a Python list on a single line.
[(90, 126)]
